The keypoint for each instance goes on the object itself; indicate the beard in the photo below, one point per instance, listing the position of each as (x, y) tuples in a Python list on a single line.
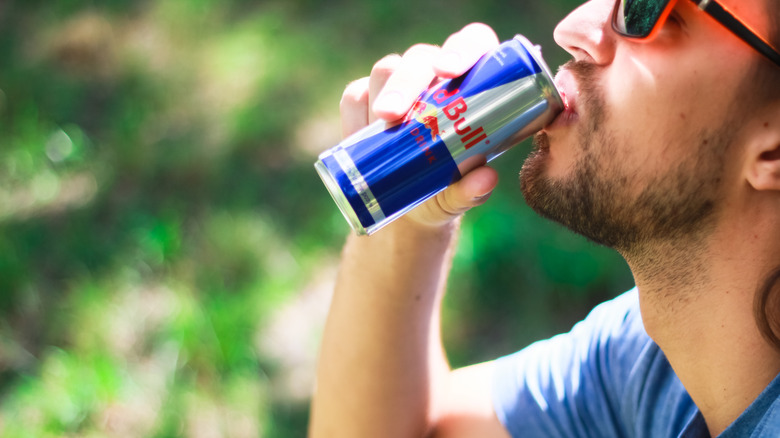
[(596, 198)]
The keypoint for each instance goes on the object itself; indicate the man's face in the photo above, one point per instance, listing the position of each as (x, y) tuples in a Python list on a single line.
[(647, 148)]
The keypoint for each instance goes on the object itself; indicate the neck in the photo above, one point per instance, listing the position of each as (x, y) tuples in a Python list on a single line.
[(697, 305)]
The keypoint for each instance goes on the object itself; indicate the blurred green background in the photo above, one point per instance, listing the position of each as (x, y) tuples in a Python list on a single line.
[(167, 250)]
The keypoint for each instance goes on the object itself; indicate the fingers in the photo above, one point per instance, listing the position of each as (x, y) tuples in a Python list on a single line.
[(354, 107), (397, 81), (410, 75), (462, 49), (472, 190)]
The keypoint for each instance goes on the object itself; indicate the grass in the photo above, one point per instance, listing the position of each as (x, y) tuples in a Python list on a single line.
[(166, 248)]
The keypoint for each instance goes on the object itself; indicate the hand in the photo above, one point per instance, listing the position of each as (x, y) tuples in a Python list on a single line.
[(392, 88)]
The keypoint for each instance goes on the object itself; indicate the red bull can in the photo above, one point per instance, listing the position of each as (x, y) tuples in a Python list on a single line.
[(382, 172)]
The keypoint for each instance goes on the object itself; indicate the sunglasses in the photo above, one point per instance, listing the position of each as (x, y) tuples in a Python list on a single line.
[(641, 19)]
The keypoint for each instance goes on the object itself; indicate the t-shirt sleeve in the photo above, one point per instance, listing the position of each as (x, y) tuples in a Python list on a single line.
[(574, 384)]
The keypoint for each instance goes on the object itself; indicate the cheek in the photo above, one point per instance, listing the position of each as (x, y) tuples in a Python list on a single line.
[(655, 114)]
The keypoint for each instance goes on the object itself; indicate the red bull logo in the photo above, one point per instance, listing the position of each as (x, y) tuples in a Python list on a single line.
[(468, 136), (454, 109), (426, 114)]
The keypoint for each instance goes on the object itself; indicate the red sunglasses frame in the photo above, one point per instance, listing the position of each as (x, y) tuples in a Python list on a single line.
[(715, 10)]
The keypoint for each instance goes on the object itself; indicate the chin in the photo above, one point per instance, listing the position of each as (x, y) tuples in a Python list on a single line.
[(535, 165)]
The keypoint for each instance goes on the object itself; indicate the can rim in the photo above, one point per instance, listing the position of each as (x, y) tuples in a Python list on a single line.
[(338, 196)]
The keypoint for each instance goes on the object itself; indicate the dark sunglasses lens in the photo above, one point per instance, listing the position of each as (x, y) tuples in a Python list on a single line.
[(637, 17)]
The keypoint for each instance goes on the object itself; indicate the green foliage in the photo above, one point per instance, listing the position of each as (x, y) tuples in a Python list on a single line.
[(166, 248)]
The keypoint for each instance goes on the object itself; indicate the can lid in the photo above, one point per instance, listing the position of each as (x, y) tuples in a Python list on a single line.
[(338, 196)]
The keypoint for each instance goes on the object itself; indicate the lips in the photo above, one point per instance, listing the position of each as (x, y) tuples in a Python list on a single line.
[(567, 85)]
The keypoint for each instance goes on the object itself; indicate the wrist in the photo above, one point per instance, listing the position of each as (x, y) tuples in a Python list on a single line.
[(408, 226), (406, 241)]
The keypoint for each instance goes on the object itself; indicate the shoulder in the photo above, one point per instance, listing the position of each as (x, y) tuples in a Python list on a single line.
[(618, 318), (768, 424), (613, 331), (762, 417), (599, 379)]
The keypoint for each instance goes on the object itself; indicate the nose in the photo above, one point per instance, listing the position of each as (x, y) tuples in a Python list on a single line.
[(586, 33)]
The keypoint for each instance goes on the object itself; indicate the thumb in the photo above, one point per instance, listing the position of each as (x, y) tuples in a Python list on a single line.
[(472, 190)]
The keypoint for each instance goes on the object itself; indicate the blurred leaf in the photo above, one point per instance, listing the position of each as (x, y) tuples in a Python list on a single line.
[(166, 248)]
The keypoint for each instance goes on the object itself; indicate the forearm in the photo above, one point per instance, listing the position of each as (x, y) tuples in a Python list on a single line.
[(381, 354), (381, 363)]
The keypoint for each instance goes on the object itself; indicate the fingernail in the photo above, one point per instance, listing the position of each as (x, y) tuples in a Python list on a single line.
[(482, 197), (450, 61), (390, 102)]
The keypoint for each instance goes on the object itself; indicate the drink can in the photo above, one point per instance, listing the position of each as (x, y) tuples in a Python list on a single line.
[(381, 172)]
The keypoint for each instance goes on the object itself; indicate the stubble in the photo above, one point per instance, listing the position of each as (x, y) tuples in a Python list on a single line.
[(600, 199)]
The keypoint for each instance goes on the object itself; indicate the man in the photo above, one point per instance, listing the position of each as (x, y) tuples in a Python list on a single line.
[(669, 151)]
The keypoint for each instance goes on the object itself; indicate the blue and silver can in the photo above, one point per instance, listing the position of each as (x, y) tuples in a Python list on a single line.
[(381, 172)]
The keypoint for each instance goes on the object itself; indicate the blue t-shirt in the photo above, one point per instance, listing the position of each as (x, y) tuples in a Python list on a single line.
[(607, 378)]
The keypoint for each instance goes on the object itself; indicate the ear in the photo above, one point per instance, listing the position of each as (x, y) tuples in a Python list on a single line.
[(763, 160)]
